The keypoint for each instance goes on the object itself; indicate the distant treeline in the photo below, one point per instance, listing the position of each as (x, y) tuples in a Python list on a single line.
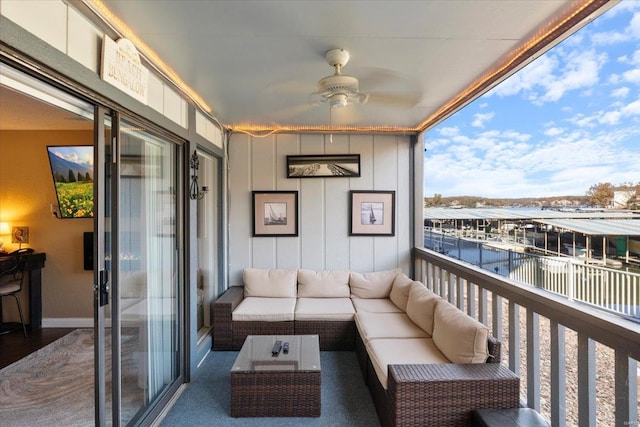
[(473, 201), (72, 177)]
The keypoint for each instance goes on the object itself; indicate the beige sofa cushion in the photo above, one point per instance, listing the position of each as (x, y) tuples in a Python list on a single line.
[(372, 285), (400, 291), (339, 309), (264, 309), (461, 338), (375, 305), (421, 305), (323, 284), (398, 351), (387, 325), (270, 283)]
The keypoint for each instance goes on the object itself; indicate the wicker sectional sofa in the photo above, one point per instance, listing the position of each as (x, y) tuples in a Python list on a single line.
[(425, 362)]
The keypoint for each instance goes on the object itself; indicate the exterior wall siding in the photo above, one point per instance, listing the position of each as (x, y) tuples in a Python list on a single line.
[(323, 243)]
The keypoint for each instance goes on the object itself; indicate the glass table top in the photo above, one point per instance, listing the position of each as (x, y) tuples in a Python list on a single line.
[(255, 355)]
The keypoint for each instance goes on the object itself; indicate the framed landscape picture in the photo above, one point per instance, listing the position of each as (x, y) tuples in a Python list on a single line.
[(275, 213), (372, 213), (72, 171), (324, 166)]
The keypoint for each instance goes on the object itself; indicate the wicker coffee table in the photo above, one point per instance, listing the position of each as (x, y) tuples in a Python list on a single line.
[(284, 386)]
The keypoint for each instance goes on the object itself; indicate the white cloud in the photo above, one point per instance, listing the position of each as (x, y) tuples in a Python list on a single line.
[(554, 131), (551, 76), (632, 109), (448, 131), (632, 76), (620, 92), (580, 71), (634, 26), (608, 38), (631, 32), (480, 119), (527, 78), (610, 118)]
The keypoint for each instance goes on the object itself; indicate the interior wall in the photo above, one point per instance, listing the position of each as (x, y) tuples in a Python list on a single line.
[(323, 242), (26, 193)]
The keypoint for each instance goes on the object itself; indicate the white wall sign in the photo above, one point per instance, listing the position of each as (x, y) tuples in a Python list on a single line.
[(121, 67)]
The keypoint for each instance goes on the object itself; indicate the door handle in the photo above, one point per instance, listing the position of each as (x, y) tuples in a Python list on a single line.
[(103, 288)]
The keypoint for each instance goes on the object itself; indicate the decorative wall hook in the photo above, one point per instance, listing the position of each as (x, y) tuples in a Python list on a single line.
[(194, 190)]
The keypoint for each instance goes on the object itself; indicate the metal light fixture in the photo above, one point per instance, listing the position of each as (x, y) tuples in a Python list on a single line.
[(194, 190)]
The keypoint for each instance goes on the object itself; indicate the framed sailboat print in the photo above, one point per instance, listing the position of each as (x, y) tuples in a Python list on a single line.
[(372, 213), (275, 213)]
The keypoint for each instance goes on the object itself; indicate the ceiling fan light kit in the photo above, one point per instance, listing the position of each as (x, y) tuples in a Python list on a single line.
[(339, 90)]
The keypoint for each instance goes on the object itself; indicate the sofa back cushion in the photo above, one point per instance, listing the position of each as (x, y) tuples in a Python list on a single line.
[(461, 338), (372, 285), (323, 284), (271, 283), (400, 291), (421, 306)]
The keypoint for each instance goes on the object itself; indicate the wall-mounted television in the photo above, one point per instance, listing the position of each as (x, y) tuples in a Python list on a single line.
[(72, 171)]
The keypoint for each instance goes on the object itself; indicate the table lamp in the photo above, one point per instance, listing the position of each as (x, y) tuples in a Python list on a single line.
[(4, 231)]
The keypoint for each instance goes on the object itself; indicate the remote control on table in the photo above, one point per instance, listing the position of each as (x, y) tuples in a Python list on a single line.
[(285, 348), (276, 348)]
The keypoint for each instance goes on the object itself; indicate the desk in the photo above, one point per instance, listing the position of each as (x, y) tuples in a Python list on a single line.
[(34, 286)]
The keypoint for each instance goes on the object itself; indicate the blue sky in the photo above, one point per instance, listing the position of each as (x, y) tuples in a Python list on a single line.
[(568, 120), (78, 154)]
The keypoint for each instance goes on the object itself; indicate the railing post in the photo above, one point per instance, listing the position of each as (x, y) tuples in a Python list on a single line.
[(480, 248), (586, 381), (626, 390), (533, 360), (514, 338), (570, 280), (510, 264), (558, 375), (496, 300)]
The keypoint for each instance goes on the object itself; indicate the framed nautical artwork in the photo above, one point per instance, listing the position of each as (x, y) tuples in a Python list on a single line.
[(275, 213), (324, 166), (372, 213)]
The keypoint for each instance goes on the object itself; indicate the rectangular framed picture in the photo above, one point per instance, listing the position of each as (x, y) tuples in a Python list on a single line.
[(324, 166), (372, 213), (275, 213)]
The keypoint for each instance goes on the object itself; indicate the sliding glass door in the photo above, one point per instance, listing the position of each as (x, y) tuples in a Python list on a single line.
[(149, 281)]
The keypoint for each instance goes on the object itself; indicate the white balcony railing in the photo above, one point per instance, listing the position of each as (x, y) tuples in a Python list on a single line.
[(578, 365)]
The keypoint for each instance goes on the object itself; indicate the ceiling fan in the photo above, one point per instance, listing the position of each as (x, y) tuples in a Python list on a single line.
[(338, 90)]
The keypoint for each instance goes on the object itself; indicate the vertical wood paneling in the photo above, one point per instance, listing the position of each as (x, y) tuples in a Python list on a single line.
[(288, 248), (361, 248), (45, 19), (263, 164), (239, 208), (324, 241), (312, 200), (337, 211), (403, 204), (263, 167), (385, 167), (84, 41), (155, 94)]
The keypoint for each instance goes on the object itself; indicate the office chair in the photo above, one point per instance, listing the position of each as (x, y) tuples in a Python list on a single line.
[(12, 268)]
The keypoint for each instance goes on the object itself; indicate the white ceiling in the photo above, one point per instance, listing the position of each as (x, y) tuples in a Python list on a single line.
[(257, 62)]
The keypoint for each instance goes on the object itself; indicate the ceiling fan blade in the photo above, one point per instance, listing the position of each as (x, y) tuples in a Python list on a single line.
[(289, 87), (285, 113), (373, 78), (399, 101), (345, 116)]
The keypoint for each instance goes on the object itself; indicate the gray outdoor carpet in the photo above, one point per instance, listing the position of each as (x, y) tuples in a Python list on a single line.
[(207, 400)]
